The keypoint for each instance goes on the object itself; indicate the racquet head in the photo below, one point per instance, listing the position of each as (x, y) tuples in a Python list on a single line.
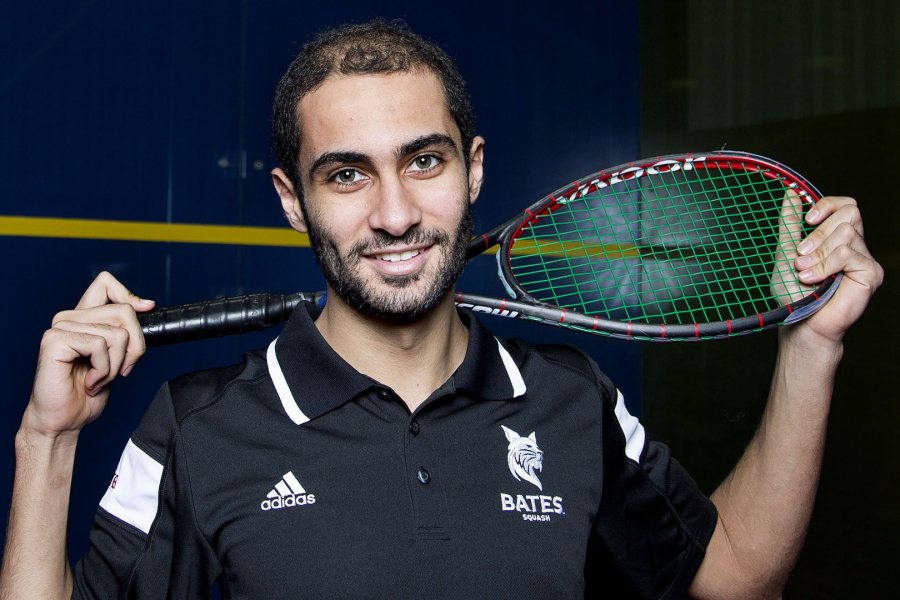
[(680, 247)]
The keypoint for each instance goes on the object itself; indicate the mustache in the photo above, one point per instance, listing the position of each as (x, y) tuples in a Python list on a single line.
[(382, 240)]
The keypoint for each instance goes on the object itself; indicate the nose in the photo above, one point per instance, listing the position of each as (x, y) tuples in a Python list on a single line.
[(396, 209)]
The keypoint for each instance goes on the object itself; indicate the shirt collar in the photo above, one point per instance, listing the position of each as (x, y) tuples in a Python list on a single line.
[(312, 379)]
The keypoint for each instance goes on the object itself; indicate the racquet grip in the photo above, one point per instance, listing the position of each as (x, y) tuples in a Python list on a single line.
[(223, 316)]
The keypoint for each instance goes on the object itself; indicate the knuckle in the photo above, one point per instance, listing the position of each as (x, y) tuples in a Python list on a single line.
[(119, 335), (62, 315), (50, 337), (879, 274), (849, 211), (96, 342), (845, 230), (125, 312), (843, 252)]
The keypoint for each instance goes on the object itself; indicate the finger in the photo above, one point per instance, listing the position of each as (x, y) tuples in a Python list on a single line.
[(790, 225), (859, 266), (105, 288), (116, 343), (846, 214), (117, 315), (62, 346), (827, 206), (842, 235)]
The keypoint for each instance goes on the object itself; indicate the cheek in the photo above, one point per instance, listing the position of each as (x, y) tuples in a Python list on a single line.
[(446, 204), (340, 226)]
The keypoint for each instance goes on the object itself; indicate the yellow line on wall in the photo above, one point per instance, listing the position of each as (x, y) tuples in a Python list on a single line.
[(137, 231), (147, 231)]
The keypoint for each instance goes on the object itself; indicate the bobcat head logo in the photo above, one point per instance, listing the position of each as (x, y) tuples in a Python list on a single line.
[(524, 456)]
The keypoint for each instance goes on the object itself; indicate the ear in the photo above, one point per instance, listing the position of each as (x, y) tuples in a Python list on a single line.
[(476, 168), (511, 435), (290, 203)]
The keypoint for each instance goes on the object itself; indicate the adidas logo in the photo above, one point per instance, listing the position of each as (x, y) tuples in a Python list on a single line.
[(287, 492)]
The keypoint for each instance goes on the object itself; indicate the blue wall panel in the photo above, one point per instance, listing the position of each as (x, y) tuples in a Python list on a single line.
[(160, 112)]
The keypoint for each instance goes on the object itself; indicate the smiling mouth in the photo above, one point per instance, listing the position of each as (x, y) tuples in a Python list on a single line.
[(397, 256)]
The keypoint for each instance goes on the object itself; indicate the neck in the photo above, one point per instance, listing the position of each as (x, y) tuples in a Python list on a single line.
[(413, 359)]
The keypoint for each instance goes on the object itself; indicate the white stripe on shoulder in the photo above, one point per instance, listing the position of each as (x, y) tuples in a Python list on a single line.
[(515, 376), (133, 494), (281, 386), (632, 428)]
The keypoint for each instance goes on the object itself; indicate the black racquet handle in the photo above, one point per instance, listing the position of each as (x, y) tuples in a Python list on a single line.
[(225, 316)]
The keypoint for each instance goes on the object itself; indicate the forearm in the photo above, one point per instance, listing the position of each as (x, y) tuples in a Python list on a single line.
[(766, 502), (35, 564)]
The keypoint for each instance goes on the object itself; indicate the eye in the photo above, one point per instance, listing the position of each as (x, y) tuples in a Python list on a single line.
[(425, 162), (347, 176)]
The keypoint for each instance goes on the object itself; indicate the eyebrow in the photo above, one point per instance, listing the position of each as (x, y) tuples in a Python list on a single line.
[(420, 143), (410, 147), (332, 158)]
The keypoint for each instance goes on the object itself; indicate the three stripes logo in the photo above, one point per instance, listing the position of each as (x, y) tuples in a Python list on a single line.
[(287, 492)]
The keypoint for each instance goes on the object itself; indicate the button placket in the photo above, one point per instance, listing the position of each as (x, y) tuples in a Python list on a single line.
[(425, 485)]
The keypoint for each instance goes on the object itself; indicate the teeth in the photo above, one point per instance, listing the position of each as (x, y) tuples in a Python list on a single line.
[(398, 256)]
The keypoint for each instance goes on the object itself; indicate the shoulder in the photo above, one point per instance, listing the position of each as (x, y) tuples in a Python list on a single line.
[(556, 361), (199, 389), (192, 393)]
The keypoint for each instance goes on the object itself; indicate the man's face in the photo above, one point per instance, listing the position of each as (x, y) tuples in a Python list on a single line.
[(386, 193)]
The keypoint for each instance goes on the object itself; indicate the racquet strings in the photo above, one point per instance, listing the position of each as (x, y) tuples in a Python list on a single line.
[(711, 243)]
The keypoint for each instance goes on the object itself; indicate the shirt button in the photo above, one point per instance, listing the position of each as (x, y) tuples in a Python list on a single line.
[(414, 428), (423, 476), (384, 394)]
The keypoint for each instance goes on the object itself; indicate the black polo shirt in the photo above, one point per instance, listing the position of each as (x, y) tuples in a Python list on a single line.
[(292, 475)]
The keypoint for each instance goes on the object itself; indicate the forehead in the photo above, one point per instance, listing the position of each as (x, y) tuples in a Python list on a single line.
[(373, 113)]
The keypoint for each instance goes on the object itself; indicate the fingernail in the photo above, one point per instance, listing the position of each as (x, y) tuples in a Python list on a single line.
[(805, 247), (127, 370), (146, 301), (812, 215), (804, 262), (806, 275)]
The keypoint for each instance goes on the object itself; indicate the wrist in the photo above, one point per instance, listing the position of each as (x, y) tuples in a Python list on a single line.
[(32, 435), (810, 345)]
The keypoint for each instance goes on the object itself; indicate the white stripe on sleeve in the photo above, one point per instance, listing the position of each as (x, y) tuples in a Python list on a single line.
[(133, 494), (632, 428)]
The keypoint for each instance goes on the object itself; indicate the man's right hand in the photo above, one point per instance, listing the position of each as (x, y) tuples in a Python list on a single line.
[(83, 351)]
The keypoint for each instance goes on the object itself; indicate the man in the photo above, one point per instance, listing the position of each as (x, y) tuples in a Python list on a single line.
[(388, 446)]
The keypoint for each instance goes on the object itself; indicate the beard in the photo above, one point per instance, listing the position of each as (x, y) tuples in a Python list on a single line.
[(402, 303)]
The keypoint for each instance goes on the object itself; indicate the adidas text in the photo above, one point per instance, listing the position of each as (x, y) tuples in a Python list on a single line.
[(287, 501)]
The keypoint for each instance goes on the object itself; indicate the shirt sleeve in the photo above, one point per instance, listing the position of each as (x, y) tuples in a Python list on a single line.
[(144, 542), (653, 522)]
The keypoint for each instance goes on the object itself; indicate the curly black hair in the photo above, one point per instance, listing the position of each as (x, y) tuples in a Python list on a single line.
[(374, 47)]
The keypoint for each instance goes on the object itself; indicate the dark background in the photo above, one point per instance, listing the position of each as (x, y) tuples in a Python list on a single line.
[(159, 111)]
